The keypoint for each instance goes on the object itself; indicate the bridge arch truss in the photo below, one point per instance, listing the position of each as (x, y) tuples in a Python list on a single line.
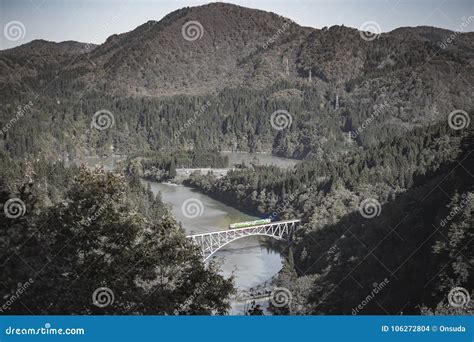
[(211, 242)]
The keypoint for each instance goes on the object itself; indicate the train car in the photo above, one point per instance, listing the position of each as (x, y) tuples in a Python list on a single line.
[(249, 223)]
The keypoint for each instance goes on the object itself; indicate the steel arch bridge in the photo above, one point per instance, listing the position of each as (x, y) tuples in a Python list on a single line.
[(211, 242)]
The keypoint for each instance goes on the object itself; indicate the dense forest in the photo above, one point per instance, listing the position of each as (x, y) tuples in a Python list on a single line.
[(68, 232), (236, 119), (380, 172), (384, 186), (415, 180)]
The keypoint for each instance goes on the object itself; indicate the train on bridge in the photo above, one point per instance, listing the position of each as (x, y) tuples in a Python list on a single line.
[(249, 223), (211, 242)]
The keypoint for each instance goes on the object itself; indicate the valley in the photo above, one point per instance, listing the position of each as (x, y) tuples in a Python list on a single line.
[(368, 142)]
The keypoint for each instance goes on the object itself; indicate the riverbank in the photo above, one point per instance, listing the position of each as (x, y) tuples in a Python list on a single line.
[(251, 260)]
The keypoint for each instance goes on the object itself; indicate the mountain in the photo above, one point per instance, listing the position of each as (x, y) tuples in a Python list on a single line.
[(155, 59), (416, 75), (36, 59), (372, 124)]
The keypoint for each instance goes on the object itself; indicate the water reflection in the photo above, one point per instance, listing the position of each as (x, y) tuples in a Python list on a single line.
[(249, 261)]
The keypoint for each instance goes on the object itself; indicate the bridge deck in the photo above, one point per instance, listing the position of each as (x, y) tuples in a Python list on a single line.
[(211, 242), (243, 229)]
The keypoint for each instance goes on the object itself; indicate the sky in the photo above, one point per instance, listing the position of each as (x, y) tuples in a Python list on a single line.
[(92, 21)]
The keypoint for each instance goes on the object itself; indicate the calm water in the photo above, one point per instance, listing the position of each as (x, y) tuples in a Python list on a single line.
[(247, 259), (250, 262)]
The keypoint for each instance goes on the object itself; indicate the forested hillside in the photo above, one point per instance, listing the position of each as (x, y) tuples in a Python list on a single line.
[(220, 91), (384, 187), (339, 184), (69, 231), (375, 214)]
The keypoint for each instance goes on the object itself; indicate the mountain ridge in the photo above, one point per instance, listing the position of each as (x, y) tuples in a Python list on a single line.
[(154, 59), (238, 53)]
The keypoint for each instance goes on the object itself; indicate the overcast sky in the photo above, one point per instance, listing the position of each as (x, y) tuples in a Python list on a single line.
[(94, 20)]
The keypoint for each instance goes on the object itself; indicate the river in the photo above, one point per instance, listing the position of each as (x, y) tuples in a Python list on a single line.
[(247, 259)]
